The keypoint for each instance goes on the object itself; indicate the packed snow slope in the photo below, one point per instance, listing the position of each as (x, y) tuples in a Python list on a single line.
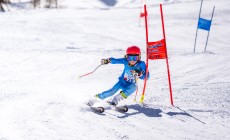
[(44, 51)]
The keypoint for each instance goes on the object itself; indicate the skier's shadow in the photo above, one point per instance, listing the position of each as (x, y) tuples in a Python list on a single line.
[(109, 2), (150, 112)]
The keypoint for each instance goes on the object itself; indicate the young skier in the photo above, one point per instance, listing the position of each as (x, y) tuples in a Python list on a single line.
[(134, 68)]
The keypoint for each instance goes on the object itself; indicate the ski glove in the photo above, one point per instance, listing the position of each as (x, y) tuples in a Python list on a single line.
[(137, 72), (105, 61)]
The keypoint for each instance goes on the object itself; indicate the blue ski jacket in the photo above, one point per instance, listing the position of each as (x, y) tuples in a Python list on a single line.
[(127, 76)]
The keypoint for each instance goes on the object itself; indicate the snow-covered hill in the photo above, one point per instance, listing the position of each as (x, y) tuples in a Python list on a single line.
[(43, 51)]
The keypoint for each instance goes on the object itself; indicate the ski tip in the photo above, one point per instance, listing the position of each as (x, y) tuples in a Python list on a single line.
[(125, 109), (122, 109), (98, 110), (101, 109)]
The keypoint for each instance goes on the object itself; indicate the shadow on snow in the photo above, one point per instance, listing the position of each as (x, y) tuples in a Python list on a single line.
[(183, 112), (150, 112), (109, 2)]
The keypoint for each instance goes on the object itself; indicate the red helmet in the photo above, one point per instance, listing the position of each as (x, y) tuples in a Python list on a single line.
[(133, 50)]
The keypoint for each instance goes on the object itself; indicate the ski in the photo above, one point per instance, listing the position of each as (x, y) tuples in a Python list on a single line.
[(96, 109), (122, 109), (100, 109)]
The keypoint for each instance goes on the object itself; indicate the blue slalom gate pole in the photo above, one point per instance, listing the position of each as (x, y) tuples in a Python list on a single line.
[(197, 27), (209, 30)]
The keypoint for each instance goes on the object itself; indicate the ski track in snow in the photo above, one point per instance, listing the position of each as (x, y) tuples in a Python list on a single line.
[(43, 52)]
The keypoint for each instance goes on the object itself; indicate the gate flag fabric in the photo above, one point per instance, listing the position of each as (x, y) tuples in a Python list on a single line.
[(204, 24), (157, 50), (143, 13)]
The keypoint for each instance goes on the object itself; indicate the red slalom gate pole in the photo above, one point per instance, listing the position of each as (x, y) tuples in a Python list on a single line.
[(146, 72), (169, 80)]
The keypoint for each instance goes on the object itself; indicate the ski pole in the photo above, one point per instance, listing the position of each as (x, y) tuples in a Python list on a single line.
[(91, 71), (136, 79), (135, 99)]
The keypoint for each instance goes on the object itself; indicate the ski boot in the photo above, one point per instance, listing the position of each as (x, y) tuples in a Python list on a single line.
[(94, 100)]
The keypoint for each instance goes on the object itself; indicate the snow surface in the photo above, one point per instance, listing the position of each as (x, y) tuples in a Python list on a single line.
[(43, 51)]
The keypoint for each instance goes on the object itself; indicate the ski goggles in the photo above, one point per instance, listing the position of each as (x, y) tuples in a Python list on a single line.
[(132, 57)]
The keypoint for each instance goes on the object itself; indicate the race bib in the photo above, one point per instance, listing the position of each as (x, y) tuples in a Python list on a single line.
[(129, 77)]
